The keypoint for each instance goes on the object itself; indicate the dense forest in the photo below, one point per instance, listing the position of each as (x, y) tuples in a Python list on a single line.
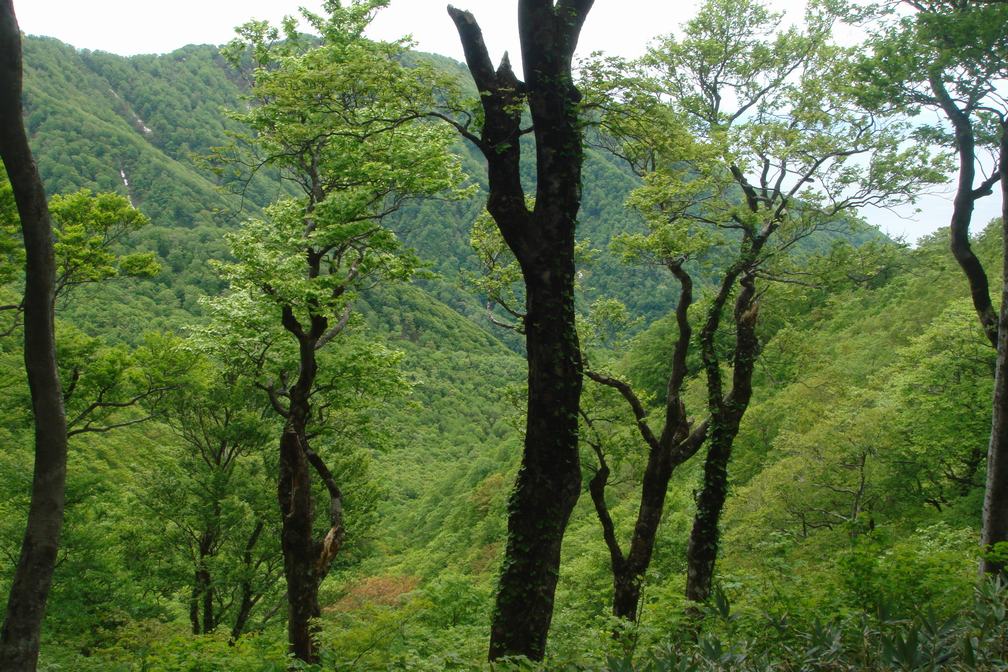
[(321, 353)]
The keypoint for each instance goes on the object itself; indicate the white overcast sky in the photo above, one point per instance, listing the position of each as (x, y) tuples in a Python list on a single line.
[(616, 26)]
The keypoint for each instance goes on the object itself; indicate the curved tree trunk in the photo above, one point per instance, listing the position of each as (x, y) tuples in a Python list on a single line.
[(995, 510), (962, 209), (673, 446), (628, 579), (726, 415), (248, 595), (19, 640)]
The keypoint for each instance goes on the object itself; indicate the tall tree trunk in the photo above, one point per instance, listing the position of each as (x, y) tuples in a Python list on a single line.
[(549, 480), (204, 583), (962, 208), (306, 561), (726, 416), (19, 639), (297, 542), (995, 510)]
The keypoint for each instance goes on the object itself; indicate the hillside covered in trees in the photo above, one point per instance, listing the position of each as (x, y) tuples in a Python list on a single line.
[(350, 338)]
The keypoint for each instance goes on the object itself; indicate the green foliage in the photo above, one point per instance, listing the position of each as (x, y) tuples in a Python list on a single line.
[(87, 227), (868, 421)]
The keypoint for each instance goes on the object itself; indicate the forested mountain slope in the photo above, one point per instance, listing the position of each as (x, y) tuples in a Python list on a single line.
[(100, 121), (856, 480)]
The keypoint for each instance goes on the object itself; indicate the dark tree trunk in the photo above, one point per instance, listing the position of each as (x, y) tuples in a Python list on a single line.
[(194, 615), (549, 480), (628, 575), (962, 210), (701, 553), (19, 639), (202, 600), (628, 570), (202, 592), (995, 510), (726, 415), (209, 622), (306, 561), (667, 451), (294, 494)]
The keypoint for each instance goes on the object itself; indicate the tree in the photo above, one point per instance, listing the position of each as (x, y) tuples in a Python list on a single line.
[(338, 121), (212, 493), (542, 239), (89, 230), (950, 57), (19, 638), (675, 442), (745, 136), (995, 511)]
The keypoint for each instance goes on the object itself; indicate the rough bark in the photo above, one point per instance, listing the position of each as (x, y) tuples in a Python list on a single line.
[(666, 451), (19, 639), (995, 510), (726, 415), (294, 494), (306, 560), (549, 480)]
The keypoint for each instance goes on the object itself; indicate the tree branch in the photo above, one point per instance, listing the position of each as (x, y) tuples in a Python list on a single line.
[(333, 541), (635, 404)]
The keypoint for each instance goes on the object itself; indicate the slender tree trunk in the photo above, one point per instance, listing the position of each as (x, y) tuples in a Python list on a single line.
[(627, 575), (655, 486), (962, 209), (202, 592), (248, 598), (701, 552), (194, 601), (19, 639), (995, 510), (297, 542), (726, 416)]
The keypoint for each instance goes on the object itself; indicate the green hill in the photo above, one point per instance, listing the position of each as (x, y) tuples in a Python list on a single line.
[(855, 482)]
